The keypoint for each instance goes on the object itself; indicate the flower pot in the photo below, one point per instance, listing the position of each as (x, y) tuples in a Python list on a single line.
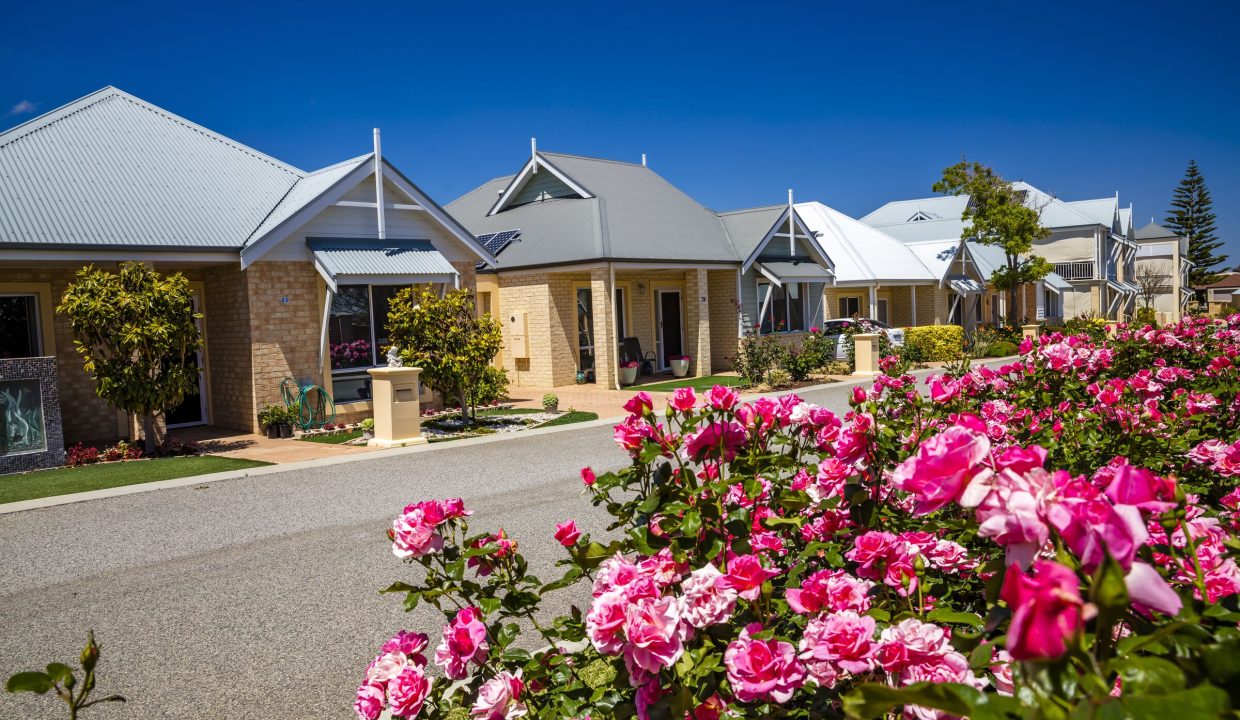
[(368, 435), (286, 432), (680, 368), (628, 375), (273, 432), (551, 408)]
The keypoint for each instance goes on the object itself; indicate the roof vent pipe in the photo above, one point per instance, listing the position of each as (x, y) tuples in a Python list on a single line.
[(534, 155), (379, 186), (643, 159)]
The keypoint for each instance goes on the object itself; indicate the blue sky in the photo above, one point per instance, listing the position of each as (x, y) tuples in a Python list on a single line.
[(851, 104)]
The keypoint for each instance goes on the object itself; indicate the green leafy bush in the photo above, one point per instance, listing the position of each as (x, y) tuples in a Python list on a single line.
[(757, 356), (490, 387), (935, 343), (1146, 316), (549, 401), (779, 378), (1001, 348)]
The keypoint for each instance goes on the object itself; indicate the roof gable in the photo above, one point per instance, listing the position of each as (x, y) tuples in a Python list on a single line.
[(530, 185)]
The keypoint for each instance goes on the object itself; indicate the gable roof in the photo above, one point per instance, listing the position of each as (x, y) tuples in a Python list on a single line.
[(632, 214), (942, 207), (1103, 211), (1230, 280), (1154, 231), (862, 253)]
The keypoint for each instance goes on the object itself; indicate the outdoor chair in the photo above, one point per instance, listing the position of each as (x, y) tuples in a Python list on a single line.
[(631, 351)]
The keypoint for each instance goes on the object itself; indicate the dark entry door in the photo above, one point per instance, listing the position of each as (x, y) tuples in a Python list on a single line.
[(670, 329), (193, 409)]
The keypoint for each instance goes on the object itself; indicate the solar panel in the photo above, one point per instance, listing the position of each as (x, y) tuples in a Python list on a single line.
[(496, 242)]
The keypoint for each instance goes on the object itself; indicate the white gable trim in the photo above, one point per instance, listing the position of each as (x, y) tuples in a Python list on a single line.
[(810, 242), (524, 176), (261, 246)]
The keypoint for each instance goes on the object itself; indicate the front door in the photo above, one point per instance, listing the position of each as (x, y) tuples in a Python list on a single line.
[(193, 409), (670, 335)]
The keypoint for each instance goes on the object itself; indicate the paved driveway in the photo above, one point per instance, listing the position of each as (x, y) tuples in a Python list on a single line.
[(257, 597)]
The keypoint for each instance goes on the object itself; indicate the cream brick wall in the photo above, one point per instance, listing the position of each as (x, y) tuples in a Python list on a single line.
[(724, 320), (284, 336), (229, 360), (529, 294)]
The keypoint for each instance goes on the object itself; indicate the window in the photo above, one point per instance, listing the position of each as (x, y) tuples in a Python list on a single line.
[(882, 311), (19, 326), (357, 337), (786, 310), (585, 329), (850, 307), (622, 317)]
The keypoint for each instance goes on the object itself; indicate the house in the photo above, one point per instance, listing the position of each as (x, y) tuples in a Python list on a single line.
[(598, 258), (1161, 272), (1223, 295), (1090, 246), (290, 269)]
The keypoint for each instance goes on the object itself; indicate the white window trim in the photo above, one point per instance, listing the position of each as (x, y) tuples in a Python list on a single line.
[(803, 289), (374, 344)]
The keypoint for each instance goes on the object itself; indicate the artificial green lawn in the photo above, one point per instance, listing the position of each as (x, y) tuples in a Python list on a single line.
[(572, 416), (335, 438), (699, 384), (65, 480)]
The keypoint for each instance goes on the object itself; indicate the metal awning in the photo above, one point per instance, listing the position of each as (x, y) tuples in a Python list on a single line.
[(965, 285), (1055, 283), (379, 262), (782, 272), (1123, 288)]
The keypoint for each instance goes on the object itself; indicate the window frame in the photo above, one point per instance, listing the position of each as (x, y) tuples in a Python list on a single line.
[(844, 314), (803, 291), (36, 315), (360, 370)]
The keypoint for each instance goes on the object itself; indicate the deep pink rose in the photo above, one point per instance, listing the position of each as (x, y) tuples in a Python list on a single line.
[(407, 692), (370, 701), (830, 591), (639, 404), (500, 698), (1140, 487), (709, 440), (566, 533), (631, 432), (1093, 528), (762, 670), (684, 399), (722, 398), (406, 642), (655, 633), (843, 641), (1046, 610), (942, 468), (464, 641), (706, 601), (605, 622), (746, 575), (413, 536), (587, 476)]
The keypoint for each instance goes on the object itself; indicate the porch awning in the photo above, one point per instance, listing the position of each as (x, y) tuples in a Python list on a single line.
[(1123, 288), (1055, 283), (379, 262), (965, 285), (782, 272)]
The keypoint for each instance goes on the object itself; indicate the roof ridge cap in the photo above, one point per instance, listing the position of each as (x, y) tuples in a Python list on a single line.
[(595, 159)]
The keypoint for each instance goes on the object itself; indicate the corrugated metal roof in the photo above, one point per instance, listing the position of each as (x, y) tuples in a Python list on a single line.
[(1056, 282), (112, 170), (861, 253), (943, 207), (748, 227), (937, 255), (1153, 231), (1103, 211), (987, 258), (797, 272), (305, 191), (398, 259), (965, 285)]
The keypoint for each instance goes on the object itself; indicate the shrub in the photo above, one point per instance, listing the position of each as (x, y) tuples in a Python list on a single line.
[(779, 378), (757, 356), (1053, 538), (1001, 348), (1146, 316), (798, 364), (935, 343), (121, 451), (490, 388), (549, 401), (81, 454), (837, 367), (368, 425)]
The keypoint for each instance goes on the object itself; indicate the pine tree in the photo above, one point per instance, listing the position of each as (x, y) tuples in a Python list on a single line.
[(1192, 217)]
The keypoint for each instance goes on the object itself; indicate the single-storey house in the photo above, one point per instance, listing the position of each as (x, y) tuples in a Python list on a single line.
[(291, 269), (1222, 296), (601, 260)]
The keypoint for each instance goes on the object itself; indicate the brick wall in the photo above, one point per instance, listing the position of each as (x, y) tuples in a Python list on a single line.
[(529, 294), (284, 336), (721, 284), (229, 362)]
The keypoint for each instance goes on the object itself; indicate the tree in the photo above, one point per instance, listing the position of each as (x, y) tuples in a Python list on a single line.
[(997, 215), (137, 333), (1152, 281), (447, 339), (1192, 217)]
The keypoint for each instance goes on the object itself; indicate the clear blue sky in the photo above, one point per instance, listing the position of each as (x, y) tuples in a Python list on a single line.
[(853, 104)]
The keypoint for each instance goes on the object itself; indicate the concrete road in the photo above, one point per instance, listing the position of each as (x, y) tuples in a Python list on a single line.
[(257, 597)]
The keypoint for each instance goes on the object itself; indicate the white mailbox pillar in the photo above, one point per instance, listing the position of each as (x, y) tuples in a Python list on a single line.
[(866, 353), (395, 393)]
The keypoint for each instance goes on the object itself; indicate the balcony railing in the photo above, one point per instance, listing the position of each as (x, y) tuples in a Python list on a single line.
[(1075, 270)]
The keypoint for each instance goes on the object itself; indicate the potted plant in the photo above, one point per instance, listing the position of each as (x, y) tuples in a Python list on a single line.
[(551, 403), (680, 365), (269, 418), (368, 428), (628, 372)]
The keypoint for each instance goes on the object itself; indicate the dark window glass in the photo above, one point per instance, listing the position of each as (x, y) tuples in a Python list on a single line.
[(849, 307), (348, 334), (381, 300), (19, 329), (796, 307), (585, 328)]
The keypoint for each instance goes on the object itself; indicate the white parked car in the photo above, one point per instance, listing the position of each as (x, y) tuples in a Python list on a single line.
[(834, 329)]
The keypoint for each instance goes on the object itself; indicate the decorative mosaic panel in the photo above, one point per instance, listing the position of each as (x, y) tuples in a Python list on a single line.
[(30, 431)]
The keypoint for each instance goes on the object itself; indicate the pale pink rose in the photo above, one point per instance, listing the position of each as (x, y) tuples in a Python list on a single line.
[(950, 556), (567, 533), (370, 701), (722, 398), (1001, 669), (464, 642), (942, 468), (705, 602), (500, 698), (614, 573), (951, 667), (605, 622), (1047, 610), (746, 575), (661, 568), (386, 666), (684, 399), (762, 670), (844, 639), (655, 633), (1147, 589), (407, 692), (413, 536), (1011, 510), (911, 642)]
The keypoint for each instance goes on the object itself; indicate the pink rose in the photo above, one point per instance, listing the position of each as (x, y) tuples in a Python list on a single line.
[(1093, 528), (705, 601), (722, 398), (830, 591), (406, 642), (587, 476), (762, 670), (655, 634), (387, 666), (413, 536), (407, 691), (639, 404), (1046, 610), (708, 441), (605, 622), (370, 701), (567, 533), (632, 432), (500, 698), (911, 642), (1012, 509), (942, 468), (464, 641), (746, 575), (1141, 488), (684, 399), (843, 641)]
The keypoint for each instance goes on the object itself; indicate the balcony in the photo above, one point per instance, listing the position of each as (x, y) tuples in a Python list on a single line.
[(1075, 270)]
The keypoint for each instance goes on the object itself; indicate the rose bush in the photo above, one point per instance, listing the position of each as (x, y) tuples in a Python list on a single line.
[(1053, 538)]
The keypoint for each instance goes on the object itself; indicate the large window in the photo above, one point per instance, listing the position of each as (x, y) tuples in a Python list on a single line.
[(786, 310), (19, 326), (849, 307), (585, 329), (357, 337)]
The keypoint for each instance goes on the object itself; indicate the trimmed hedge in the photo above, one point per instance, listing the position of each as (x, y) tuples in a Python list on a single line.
[(936, 342)]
